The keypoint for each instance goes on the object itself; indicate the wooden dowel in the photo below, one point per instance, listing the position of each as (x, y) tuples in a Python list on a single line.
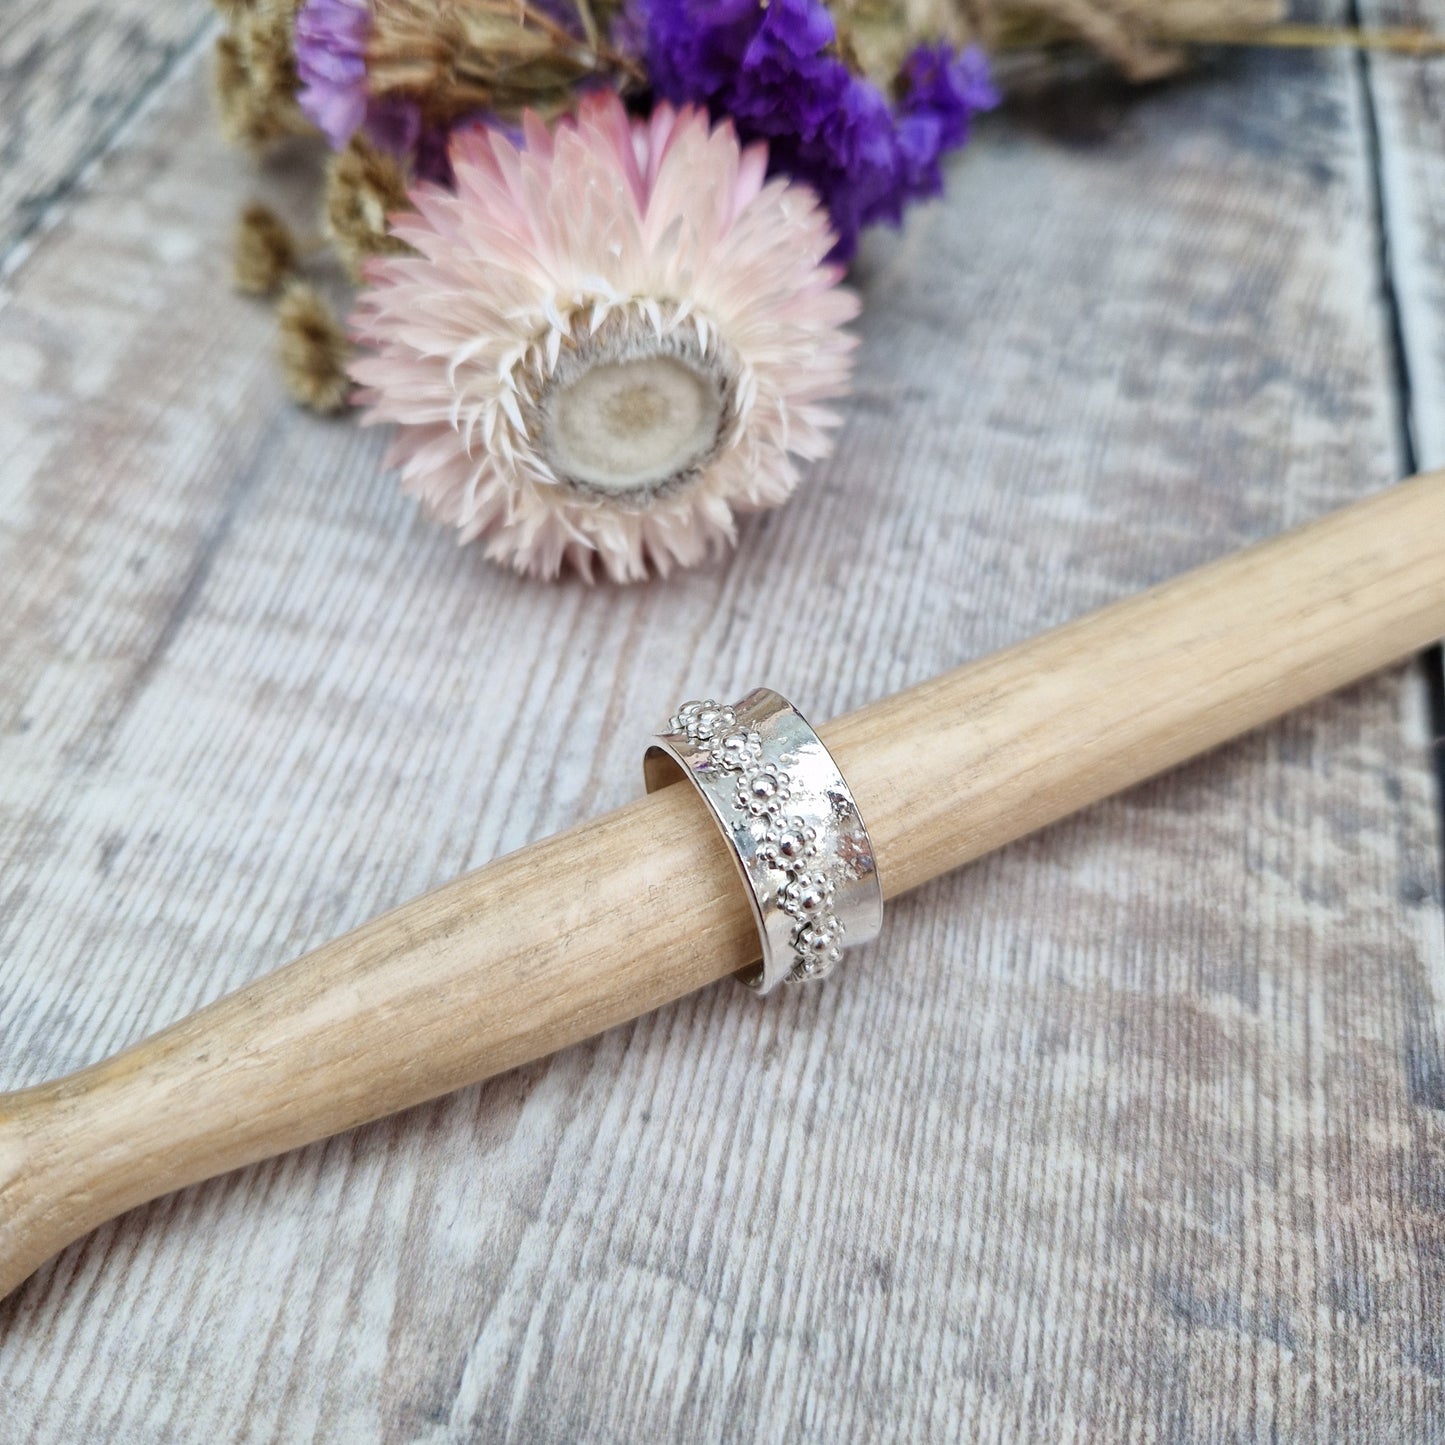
[(619, 916), (960, 765)]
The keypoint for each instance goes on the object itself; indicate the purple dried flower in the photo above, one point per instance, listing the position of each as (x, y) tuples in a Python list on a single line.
[(331, 43), (952, 84), (695, 50), (945, 89), (331, 38), (331, 62), (773, 70), (431, 158), (393, 123), (629, 30)]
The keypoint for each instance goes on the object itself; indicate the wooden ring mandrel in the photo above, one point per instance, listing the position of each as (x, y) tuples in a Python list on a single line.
[(502, 966)]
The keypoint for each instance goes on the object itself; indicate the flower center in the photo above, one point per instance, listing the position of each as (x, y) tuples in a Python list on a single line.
[(628, 414)]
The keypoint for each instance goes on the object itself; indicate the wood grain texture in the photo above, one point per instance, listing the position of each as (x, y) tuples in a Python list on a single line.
[(1135, 1130), (1408, 99), (71, 75), (1407, 102), (501, 967)]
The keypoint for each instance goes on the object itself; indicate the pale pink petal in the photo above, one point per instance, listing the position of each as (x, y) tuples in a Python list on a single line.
[(663, 228)]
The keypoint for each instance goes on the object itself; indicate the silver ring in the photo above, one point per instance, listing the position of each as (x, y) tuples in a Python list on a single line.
[(791, 823)]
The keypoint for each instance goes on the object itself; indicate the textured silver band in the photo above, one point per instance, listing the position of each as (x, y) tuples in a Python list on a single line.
[(790, 821)]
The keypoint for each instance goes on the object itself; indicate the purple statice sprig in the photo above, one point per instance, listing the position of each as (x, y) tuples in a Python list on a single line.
[(772, 67), (943, 89), (331, 40), (774, 70), (331, 37)]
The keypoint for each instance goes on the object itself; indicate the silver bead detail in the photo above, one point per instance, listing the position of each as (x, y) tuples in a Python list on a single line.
[(702, 721), (808, 896), (780, 806), (736, 750)]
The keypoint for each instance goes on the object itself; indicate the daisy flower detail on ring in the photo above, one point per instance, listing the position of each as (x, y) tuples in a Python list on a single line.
[(611, 339)]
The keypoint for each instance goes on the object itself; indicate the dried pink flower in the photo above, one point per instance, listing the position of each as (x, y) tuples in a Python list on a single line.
[(609, 341)]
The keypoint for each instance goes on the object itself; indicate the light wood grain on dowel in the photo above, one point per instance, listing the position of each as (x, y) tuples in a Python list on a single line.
[(619, 916), (960, 765)]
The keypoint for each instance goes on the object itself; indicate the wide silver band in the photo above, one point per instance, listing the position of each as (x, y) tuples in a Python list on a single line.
[(791, 824)]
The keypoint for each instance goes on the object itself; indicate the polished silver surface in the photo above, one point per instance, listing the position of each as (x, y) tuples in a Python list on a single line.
[(791, 823)]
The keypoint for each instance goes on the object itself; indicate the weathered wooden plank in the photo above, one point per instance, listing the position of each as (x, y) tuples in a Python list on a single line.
[(1406, 100), (71, 73), (1133, 1130), (1406, 96)]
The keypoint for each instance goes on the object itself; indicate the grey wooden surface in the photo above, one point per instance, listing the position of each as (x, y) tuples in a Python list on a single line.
[(72, 77), (1135, 1130)]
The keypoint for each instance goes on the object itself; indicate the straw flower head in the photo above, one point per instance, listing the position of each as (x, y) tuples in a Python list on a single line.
[(609, 340)]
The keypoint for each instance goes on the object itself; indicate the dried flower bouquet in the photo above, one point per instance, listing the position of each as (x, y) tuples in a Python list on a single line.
[(599, 243)]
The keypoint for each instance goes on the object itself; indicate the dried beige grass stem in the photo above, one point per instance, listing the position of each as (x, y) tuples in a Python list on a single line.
[(265, 251), (363, 187), (1143, 38), (313, 349), (254, 78), (497, 55)]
